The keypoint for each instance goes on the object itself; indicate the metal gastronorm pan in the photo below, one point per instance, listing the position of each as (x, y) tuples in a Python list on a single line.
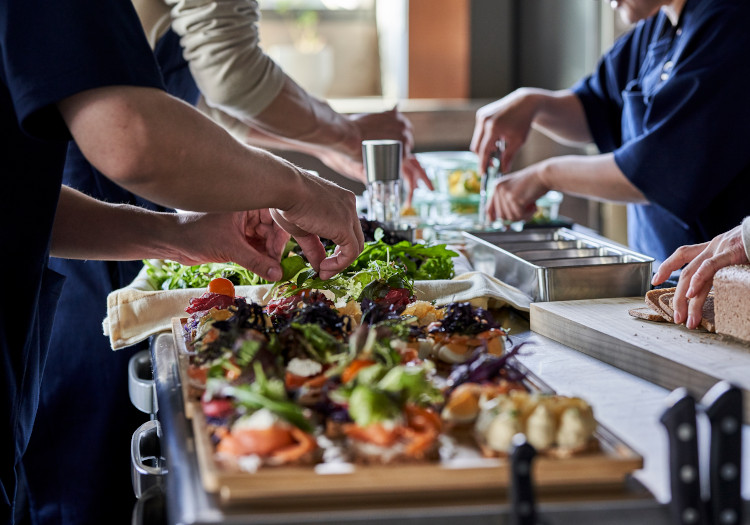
[(559, 264)]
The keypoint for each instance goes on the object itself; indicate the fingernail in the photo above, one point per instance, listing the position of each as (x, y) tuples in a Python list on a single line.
[(678, 318), (274, 274), (691, 322)]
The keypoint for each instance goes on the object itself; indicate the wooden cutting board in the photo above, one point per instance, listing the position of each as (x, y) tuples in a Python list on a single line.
[(664, 353)]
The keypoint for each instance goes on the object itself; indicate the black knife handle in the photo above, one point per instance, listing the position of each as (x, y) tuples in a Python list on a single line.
[(521, 485), (686, 506), (723, 404)]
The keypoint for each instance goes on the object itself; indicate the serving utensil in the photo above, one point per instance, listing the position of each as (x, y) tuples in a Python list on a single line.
[(494, 169)]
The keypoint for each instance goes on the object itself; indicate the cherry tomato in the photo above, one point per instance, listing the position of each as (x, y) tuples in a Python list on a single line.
[(221, 286)]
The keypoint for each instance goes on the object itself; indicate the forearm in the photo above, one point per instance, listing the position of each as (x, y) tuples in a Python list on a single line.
[(596, 177), (146, 141), (237, 77), (560, 115), (300, 117), (86, 228)]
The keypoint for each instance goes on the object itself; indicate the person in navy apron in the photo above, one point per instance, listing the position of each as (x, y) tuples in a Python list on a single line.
[(668, 109), (48, 55), (77, 464), (84, 69)]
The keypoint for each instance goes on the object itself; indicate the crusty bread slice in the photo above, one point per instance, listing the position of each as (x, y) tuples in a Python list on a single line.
[(665, 301), (647, 313), (652, 300), (707, 315)]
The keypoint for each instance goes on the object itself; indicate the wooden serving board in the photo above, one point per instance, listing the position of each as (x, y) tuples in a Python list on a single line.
[(602, 470), (667, 354), (466, 474)]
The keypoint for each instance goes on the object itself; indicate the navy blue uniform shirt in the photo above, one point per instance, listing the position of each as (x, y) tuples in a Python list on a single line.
[(78, 481), (49, 51), (673, 105)]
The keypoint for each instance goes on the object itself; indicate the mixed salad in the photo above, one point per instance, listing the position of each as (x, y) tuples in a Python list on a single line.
[(358, 373), (382, 247)]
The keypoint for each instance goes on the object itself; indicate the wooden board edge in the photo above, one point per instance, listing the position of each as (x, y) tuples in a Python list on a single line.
[(644, 367), (209, 471), (189, 395)]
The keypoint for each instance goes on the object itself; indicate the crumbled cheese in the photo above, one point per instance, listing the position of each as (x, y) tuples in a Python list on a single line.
[(304, 367), (258, 420)]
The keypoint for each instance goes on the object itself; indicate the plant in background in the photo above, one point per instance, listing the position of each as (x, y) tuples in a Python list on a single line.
[(303, 25)]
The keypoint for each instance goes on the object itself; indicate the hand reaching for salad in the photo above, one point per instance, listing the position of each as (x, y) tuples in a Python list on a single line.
[(250, 238), (328, 211)]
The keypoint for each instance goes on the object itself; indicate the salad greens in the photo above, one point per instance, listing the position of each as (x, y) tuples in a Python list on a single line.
[(422, 262), (379, 394), (348, 284), (264, 392), (378, 261), (170, 275)]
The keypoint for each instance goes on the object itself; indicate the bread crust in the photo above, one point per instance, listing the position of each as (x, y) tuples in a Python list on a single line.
[(652, 300), (647, 314), (666, 301)]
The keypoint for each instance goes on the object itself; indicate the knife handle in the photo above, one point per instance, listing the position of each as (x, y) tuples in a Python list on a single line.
[(723, 404), (521, 484), (686, 506)]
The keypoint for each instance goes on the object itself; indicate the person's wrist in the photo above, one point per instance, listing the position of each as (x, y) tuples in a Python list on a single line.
[(545, 175), (166, 230), (293, 189), (350, 138)]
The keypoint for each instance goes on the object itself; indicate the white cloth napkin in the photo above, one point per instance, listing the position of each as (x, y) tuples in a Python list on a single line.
[(137, 311)]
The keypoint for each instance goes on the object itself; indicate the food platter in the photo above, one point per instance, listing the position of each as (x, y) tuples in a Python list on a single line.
[(461, 473)]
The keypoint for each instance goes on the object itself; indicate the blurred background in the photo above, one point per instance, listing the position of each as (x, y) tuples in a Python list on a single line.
[(440, 60)]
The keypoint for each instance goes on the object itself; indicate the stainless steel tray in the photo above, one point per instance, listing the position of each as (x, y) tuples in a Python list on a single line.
[(559, 264)]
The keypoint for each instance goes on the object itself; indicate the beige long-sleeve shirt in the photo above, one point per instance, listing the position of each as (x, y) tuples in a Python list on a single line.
[(221, 44)]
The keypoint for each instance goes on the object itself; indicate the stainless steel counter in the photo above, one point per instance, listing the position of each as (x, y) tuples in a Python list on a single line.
[(628, 406)]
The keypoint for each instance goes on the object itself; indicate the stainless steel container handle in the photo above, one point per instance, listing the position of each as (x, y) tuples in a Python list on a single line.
[(148, 467), (151, 509), (141, 382)]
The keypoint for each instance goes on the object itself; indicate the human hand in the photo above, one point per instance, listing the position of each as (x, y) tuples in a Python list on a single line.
[(327, 211), (703, 261), (514, 196), (249, 238), (507, 119), (393, 125)]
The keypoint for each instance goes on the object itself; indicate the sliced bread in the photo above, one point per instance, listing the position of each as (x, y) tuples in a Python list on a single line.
[(652, 300), (647, 313)]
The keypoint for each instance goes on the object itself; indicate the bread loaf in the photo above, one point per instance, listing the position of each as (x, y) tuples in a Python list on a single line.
[(732, 301)]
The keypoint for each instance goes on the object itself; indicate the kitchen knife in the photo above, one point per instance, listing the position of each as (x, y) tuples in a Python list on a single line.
[(686, 506), (521, 485), (723, 404)]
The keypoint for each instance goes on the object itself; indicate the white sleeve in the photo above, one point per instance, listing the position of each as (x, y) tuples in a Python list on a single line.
[(746, 236), (221, 44)]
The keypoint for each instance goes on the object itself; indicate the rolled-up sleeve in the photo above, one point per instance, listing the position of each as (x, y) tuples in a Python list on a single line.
[(221, 43)]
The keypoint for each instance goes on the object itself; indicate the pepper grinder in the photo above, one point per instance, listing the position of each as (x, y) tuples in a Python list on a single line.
[(382, 159)]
